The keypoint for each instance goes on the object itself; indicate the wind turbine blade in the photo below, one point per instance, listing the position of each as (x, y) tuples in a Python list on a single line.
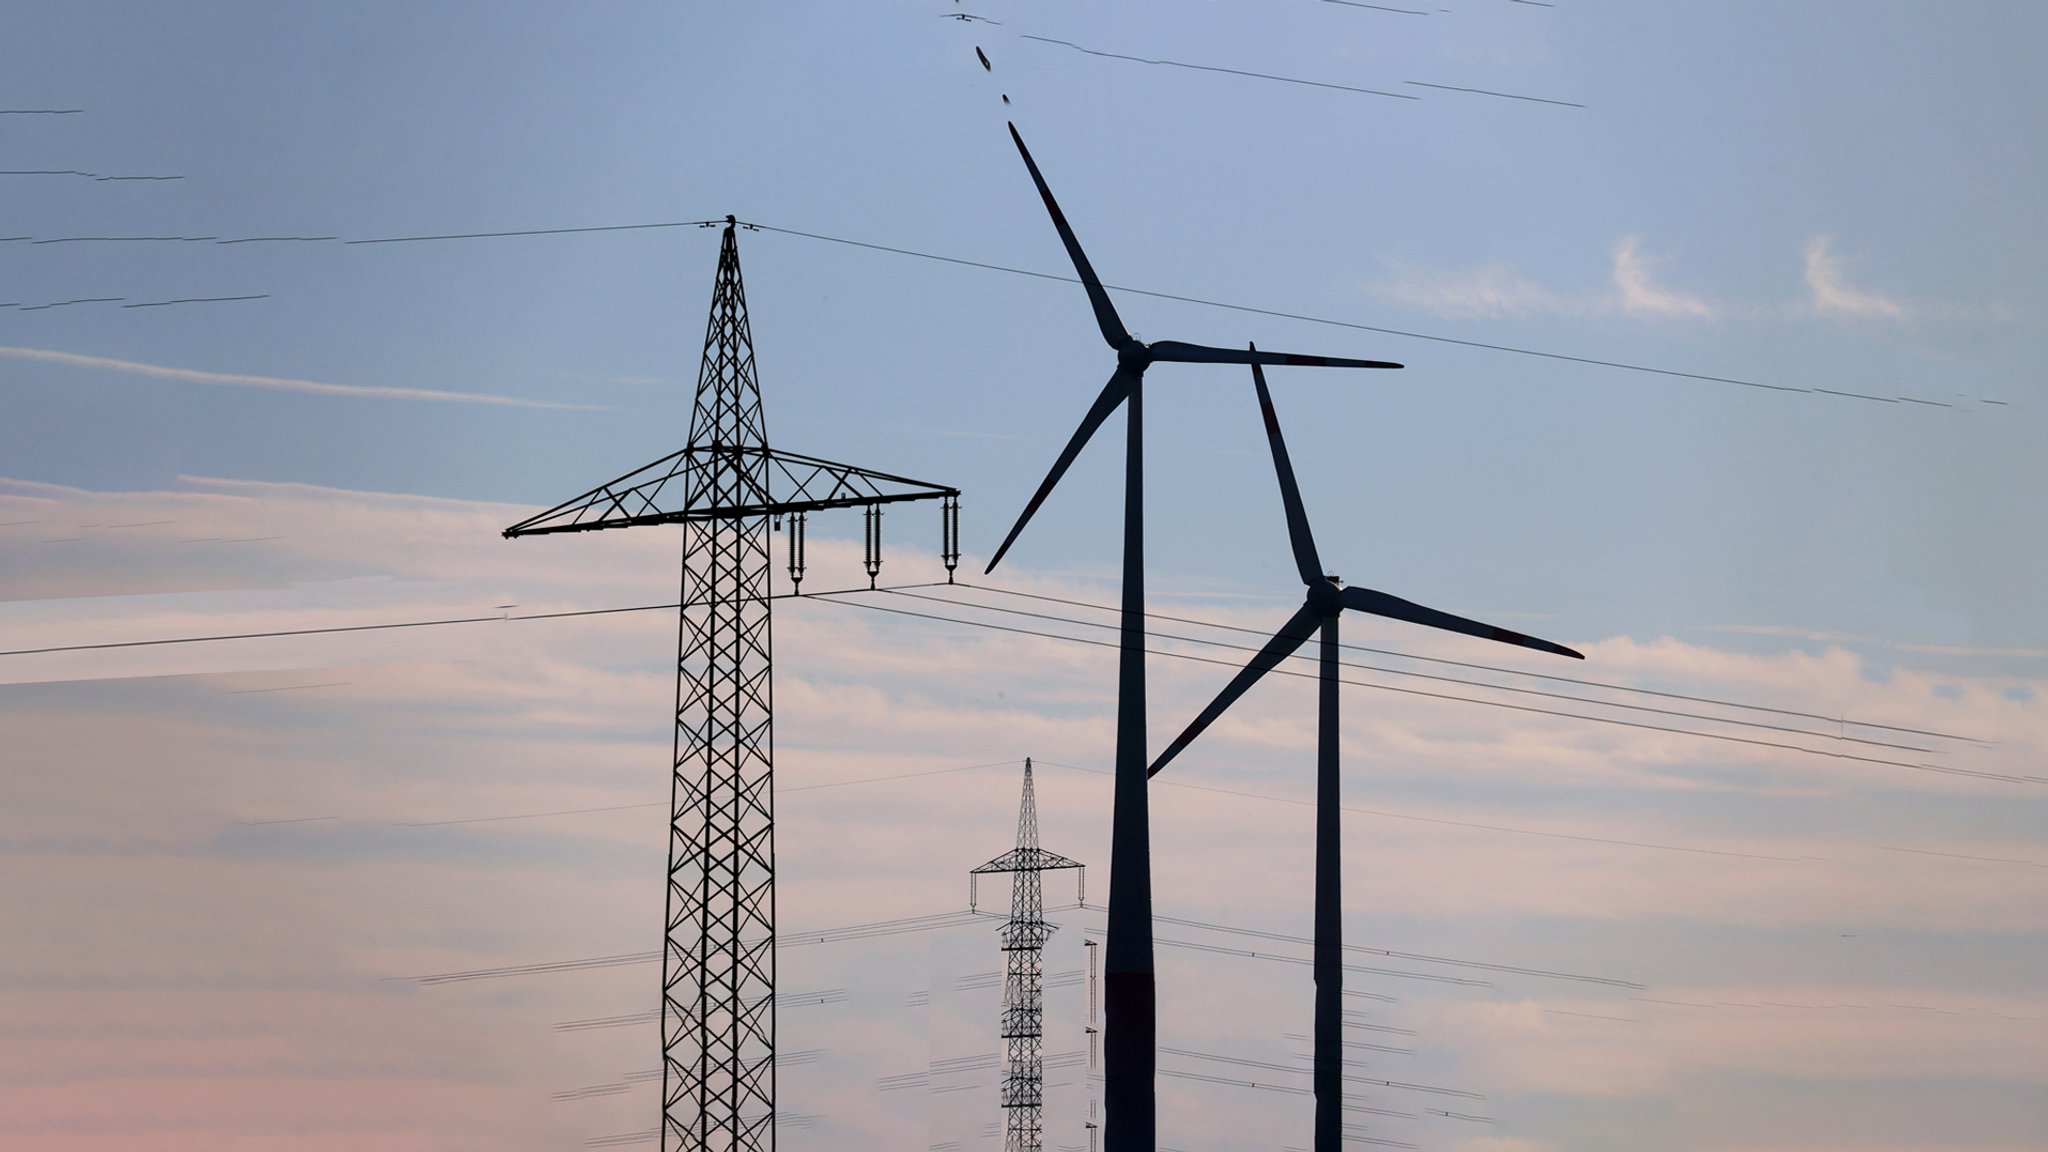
[(1306, 561), (1179, 353), (1292, 635), (1105, 313), (1393, 607), (1113, 393)]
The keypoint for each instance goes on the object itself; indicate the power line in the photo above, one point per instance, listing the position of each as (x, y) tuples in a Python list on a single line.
[(196, 300), (867, 931), (1549, 973), (1181, 784), (1689, 850), (1498, 668), (837, 596), (1378, 7), (1850, 756), (1298, 80), (942, 920), (1488, 92), (1225, 71), (76, 172), (1591, 361), (407, 624), (1334, 323), (1364, 970), (1433, 1089), (1442, 679), (779, 791), (496, 235), (1287, 1088)]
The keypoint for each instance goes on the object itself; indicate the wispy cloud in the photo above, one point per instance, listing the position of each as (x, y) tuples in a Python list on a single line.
[(264, 937), (276, 383), (1639, 294), (1491, 290), (1494, 290), (1830, 296)]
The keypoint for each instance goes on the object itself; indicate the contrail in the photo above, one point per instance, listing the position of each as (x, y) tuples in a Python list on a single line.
[(277, 383)]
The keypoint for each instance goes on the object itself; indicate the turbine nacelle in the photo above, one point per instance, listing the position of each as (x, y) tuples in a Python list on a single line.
[(1326, 596)]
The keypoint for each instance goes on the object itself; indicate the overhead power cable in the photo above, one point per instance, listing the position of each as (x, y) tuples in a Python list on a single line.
[(1361, 969), (1225, 71), (780, 790), (76, 172), (870, 930), (931, 923), (1287, 1088), (841, 597), (1548, 973), (1433, 1089), (1441, 679), (1591, 361), (1474, 825), (499, 618), (1378, 7), (1552, 677), (1296, 79), (1347, 324), (1528, 708), (523, 232)]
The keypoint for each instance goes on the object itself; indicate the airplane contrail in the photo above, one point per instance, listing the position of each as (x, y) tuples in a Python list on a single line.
[(277, 383)]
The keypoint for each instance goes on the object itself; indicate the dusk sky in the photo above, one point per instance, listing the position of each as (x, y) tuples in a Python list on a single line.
[(1722, 329)]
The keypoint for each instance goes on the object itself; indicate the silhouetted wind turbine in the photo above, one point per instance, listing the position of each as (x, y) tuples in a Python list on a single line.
[(1129, 1024), (1326, 600)]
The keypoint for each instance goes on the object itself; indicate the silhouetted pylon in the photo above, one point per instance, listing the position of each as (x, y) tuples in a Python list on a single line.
[(1024, 935)]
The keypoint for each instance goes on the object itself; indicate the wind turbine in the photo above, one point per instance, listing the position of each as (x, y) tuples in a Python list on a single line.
[(1130, 1026), (1326, 600)]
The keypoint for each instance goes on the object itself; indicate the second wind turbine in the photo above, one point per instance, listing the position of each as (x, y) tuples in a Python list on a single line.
[(1326, 598), (1130, 1024)]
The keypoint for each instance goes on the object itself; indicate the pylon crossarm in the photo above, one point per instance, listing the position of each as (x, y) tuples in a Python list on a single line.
[(788, 483), (1026, 860), (809, 482)]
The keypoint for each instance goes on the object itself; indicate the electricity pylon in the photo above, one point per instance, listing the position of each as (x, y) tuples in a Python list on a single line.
[(718, 956), (1024, 936)]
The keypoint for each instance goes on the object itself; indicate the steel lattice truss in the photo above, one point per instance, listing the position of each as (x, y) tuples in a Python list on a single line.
[(718, 958), (724, 482), (1024, 936)]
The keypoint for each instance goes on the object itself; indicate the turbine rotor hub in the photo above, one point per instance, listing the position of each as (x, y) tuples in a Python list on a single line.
[(1134, 355), (1325, 598)]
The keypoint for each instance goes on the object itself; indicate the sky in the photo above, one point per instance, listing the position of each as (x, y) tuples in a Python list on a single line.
[(1721, 330)]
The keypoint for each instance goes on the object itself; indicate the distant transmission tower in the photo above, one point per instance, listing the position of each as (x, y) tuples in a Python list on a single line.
[(1024, 936), (725, 488)]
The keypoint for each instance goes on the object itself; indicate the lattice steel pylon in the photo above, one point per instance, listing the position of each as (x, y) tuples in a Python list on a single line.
[(718, 956), (1024, 935)]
